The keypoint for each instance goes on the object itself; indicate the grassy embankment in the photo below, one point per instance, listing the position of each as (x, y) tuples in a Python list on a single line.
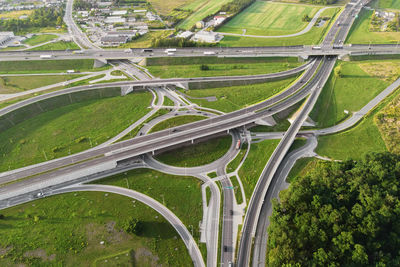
[(282, 19), (254, 164), (60, 45), (314, 36), (38, 39), (145, 40), (180, 194), (359, 82), (197, 154), (67, 230), (47, 66), (188, 68), (69, 129), (175, 121), (236, 97), (360, 34)]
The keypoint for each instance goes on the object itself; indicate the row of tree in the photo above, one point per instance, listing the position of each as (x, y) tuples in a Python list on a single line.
[(42, 17), (177, 42), (339, 214)]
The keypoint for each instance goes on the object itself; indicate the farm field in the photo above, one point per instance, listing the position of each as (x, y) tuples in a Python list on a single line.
[(360, 34), (314, 36), (197, 154), (282, 19), (66, 230), (165, 7), (15, 14), (388, 4), (201, 10), (69, 129), (233, 98), (38, 39), (360, 82), (15, 84)]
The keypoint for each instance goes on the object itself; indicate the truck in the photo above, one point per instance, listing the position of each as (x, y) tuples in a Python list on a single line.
[(316, 48), (78, 52), (147, 50), (128, 51), (170, 54), (70, 71), (209, 53), (169, 50), (45, 56), (238, 145)]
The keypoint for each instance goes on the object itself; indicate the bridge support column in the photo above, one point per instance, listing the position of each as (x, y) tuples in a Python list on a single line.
[(192, 141), (126, 90), (98, 63), (152, 152), (302, 58), (268, 121), (227, 131)]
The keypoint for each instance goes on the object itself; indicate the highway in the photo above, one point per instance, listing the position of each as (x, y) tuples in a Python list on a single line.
[(187, 238)]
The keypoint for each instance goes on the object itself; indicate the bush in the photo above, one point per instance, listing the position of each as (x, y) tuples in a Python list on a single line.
[(204, 67), (133, 226)]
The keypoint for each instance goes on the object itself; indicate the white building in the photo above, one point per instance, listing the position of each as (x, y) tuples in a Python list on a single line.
[(113, 40), (5, 37), (207, 37), (115, 19), (186, 34), (119, 12)]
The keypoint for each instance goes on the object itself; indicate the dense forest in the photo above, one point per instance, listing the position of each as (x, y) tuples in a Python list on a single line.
[(340, 214), (42, 17)]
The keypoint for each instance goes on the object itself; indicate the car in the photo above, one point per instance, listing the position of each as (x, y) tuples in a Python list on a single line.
[(174, 130), (231, 212), (225, 248)]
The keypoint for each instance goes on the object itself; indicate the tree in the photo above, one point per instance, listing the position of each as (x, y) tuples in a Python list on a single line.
[(339, 214), (204, 67), (133, 226), (338, 71)]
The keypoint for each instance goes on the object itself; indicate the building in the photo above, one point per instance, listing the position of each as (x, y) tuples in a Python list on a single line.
[(113, 40), (6, 37), (129, 34), (119, 12), (186, 34), (200, 24), (207, 37), (115, 19), (218, 20)]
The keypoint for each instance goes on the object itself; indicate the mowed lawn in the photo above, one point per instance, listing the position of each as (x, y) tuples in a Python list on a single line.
[(67, 230), (313, 37), (61, 45), (203, 10), (359, 83), (69, 129), (360, 34), (38, 39), (268, 18), (389, 4)]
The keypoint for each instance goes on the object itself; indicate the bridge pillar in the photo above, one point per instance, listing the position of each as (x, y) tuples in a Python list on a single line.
[(192, 141), (98, 63), (268, 121), (302, 58), (227, 131), (126, 90), (152, 152)]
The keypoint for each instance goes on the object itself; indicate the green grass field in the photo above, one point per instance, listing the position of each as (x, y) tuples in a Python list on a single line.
[(236, 97), (15, 14), (388, 4), (254, 164), (314, 36), (201, 10), (38, 39), (357, 141), (197, 154), (145, 40), (281, 19), (175, 121), (359, 83), (15, 84), (165, 7), (61, 45), (180, 194), (66, 230), (263, 66), (69, 129), (360, 34), (47, 66), (234, 164)]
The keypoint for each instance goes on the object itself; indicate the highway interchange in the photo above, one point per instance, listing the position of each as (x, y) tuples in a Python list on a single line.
[(69, 173)]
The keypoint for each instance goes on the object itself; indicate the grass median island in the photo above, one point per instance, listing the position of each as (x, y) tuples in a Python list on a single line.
[(15, 84), (234, 164), (60, 45), (238, 191), (254, 164), (301, 168), (282, 19), (176, 121), (358, 83), (236, 97), (180, 194), (38, 39), (47, 66), (197, 154), (69, 129), (360, 33), (67, 230), (314, 36)]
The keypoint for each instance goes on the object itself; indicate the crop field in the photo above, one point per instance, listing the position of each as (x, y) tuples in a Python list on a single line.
[(15, 84), (201, 10), (180, 194), (38, 39), (236, 97), (281, 19), (359, 83), (197, 154), (145, 40), (314, 36), (69, 129), (15, 14), (388, 4), (165, 7), (66, 230), (360, 34)]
